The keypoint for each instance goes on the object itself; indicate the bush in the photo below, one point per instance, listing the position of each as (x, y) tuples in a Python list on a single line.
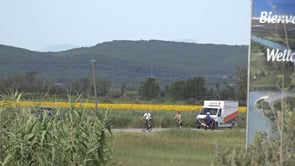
[(242, 120)]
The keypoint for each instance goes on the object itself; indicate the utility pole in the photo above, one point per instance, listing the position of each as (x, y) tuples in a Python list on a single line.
[(151, 72), (93, 61)]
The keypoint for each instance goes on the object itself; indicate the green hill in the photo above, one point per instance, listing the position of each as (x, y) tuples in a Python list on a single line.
[(129, 61)]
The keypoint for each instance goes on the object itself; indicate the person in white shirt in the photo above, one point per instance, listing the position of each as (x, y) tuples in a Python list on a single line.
[(147, 116)]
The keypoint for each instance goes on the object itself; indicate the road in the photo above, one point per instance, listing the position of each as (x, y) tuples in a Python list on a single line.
[(159, 129)]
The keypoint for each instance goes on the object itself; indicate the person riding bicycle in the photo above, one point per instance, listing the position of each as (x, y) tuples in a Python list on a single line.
[(177, 117), (147, 116), (208, 118)]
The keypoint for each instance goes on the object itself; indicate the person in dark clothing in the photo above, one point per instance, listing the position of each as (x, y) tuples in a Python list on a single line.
[(208, 118)]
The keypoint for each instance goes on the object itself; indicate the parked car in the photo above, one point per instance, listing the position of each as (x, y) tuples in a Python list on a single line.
[(39, 112)]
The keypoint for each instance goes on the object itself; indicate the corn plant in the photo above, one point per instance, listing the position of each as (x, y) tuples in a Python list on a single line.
[(81, 137)]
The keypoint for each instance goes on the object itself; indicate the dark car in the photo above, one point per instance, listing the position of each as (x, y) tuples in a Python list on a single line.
[(50, 112)]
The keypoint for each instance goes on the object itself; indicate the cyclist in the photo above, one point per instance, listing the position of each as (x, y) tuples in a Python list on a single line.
[(147, 116), (177, 117)]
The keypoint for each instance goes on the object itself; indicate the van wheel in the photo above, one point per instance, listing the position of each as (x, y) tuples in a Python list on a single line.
[(216, 125), (232, 125)]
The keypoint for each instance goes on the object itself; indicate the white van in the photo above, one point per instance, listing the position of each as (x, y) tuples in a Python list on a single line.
[(224, 113)]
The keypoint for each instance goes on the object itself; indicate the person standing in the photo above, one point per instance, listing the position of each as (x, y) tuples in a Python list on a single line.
[(177, 117)]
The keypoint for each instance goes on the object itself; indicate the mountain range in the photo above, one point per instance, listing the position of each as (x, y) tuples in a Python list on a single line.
[(129, 61)]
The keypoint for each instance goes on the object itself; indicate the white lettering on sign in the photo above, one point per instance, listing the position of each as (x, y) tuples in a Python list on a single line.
[(268, 17), (280, 56)]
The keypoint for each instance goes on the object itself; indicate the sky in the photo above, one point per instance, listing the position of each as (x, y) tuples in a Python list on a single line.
[(36, 24)]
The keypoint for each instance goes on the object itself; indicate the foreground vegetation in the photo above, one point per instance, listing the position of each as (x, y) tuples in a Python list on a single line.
[(174, 147), (84, 137), (278, 149), (81, 137)]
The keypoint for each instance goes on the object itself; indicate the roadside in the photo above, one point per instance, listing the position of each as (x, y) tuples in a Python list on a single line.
[(139, 130)]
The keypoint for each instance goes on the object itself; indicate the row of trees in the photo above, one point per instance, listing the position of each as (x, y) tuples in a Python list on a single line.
[(196, 88), (191, 89)]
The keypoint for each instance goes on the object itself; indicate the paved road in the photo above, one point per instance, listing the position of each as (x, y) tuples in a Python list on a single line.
[(157, 129)]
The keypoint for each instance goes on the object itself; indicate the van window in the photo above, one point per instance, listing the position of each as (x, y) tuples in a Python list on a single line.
[(212, 111), (219, 112)]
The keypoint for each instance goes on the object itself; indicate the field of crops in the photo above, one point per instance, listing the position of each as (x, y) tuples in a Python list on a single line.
[(80, 137), (116, 106), (83, 136)]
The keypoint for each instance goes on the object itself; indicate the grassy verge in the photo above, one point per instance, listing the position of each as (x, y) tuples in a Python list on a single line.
[(175, 147)]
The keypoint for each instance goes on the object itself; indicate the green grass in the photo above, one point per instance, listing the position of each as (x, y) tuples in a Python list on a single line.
[(175, 147)]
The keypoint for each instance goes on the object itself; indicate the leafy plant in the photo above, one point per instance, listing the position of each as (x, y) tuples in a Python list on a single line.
[(264, 150), (82, 137)]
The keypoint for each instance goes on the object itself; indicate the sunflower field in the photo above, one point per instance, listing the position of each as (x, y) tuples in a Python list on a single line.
[(114, 106)]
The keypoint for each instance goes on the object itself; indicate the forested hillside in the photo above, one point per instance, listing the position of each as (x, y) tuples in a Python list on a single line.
[(128, 61)]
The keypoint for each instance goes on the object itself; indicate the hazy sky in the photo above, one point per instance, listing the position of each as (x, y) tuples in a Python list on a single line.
[(36, 24)]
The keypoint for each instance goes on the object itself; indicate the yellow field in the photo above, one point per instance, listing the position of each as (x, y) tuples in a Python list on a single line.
[(116, 106)]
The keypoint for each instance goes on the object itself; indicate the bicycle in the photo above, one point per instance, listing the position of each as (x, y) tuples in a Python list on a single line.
[(147, 126), (178, 123)]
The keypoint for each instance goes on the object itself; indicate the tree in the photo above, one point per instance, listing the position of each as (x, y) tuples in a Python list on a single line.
[(30, 77), (217, 90), (23, 82), (81, 86), (149, 89), (103, 87), (175, 90), (123, 89), (241, 84), (195, 88), (228, 92)]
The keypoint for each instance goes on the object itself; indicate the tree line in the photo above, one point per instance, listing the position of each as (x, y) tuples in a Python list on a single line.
[(189, 90)]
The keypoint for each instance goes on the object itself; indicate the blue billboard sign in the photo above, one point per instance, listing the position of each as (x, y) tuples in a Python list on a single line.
[(271, 74)]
